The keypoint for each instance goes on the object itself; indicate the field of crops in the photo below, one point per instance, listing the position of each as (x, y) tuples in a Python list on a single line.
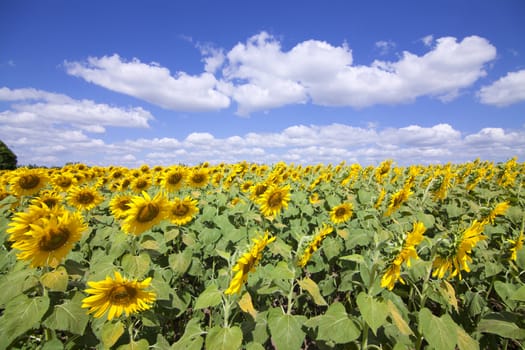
[(257, 256)]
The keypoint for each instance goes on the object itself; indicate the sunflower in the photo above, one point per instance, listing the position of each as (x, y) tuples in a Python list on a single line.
[(117, 296), (516, 246), (274, 199), (199, 177), (182, 211), (49, 198), (84, 198), (314, 245), (258, 190), (499, 209), (63, 181), (174, 178), (28, 182), (49, 241), (141, 183), (21, 222), (119, 206), (341, 213), (398, 199), (247, 263), (144, 213)]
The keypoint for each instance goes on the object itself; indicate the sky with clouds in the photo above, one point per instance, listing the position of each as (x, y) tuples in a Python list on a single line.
[(305, 82)]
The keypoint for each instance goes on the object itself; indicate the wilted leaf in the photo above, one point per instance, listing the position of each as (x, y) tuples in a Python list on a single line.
[(398, 319), (246, 305), (55, 280), (313, 289)]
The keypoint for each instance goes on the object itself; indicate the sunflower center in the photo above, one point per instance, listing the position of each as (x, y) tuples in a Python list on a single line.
[(124, 205), (198, 178), (65, 182), (148, 212), (28, 182), (54, 240), (174, 179), (141, 184), (85, 198), (50, 202), (260, 190), (340, 212), (180, 210), (123, 295), (275, 199)]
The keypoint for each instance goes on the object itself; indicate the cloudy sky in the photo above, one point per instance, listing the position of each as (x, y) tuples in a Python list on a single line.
[(166, 82)]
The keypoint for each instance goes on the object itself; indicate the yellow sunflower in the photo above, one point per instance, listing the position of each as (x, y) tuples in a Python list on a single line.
[(27, 182), (274, 199), (49, 198), (119, 206), (84, 198), (63, 181), (174, 178), (199, 177), (341, 213), (141, 183), (49, 241), (314, 245), (247, 263), (117, 296), (21, 222), (144, 213), (182, 211)]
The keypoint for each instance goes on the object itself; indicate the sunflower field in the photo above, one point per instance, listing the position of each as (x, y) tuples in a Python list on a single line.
[(253, 256)]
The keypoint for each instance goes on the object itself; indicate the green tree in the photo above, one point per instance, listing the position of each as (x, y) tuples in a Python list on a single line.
[(7, 157)]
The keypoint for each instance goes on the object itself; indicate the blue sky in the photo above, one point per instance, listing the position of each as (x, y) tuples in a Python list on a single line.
[(166, 82)]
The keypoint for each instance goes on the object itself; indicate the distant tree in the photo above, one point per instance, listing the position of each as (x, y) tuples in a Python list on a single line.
[(7, 158)]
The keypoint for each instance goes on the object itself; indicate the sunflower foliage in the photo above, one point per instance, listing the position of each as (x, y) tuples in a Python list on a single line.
[(259, 256)]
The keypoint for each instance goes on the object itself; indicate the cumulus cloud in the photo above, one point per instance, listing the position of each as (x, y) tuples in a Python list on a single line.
[(259, 75), (505, 91), (152, 83)]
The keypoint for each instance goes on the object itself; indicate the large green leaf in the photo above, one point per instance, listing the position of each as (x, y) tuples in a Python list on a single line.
[(211, 296), (111, 332), (192, 337), (180, 262), (55, 280), (335, 325), (141, 344), (286, 329), (15, 283), (136, 266), (373, 311), (440, 333), (20, 315), (69, 316), (502, 328), (220, 338)]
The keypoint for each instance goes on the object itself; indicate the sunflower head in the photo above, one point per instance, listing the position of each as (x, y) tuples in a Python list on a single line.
[(341, 213), (117, 296), (182, 211), (28, 182), (144, 213), (199, 177), (274, 199), (174, 179), (119, 206), (84, 198)]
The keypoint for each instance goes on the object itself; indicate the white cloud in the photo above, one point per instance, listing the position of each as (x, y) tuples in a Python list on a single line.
[(152, 83), (259, 75), (385, 46), (505, 91), (428, 40)]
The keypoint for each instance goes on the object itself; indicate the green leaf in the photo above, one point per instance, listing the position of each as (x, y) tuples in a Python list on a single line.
[(313, 289), (20, 315), (180, 262), (358, 258), (111, 332), (285, 329), (502, 328), (211, 296), (15, 283), (69, 316), (335, 325), (281, 271), (191, 339), (142, 344), (220, 338), (519, 294), (427, 219), (373, 311), (254, 346), (465, 341), (136, 266), (439, 333), (398, 320), (55, 280)]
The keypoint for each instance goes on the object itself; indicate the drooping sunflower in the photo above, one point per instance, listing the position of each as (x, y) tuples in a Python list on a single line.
[(48, 242), (460, 255), (118, 296), (84, 198), (408, 251), (499, 209), (517, 245), (174, 178), (27, 182), (398, 199), (274, 199), (182, 211), (144, 213), (247, 263), (314, 245), (119, 206), (341, 213)]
